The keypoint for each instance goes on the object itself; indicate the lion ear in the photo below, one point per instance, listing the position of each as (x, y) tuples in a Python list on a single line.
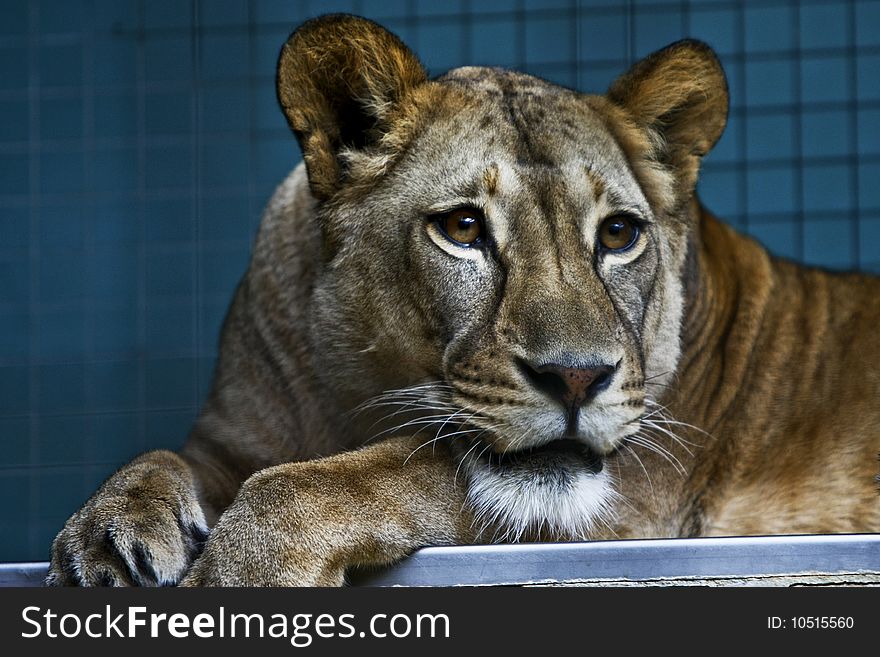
[(679, 94), (339, 76)]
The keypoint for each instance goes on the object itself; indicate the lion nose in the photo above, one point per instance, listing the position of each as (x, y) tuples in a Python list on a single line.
[(571, 386)]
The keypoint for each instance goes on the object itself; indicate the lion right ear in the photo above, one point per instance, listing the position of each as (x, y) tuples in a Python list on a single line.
[(678, 94), (339, 77)]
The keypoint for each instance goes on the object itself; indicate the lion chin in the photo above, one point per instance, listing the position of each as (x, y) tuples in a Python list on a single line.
[(558, 491)]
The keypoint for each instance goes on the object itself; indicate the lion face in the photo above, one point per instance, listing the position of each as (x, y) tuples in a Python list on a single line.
[(503, 266), (526, 278)]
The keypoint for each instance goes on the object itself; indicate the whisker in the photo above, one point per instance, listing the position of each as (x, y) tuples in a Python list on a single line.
[(657, 376), (463, 422), (482, 451), (450, 436), (515, 442), (657, 383), (430, 441), (477, 431), (616, 478), (648, 443), (427, 397), (675, 438), (417, 391), (663, 412), (644, 469), (658, 406), (413, 407), (398, 400), (425, 421), (461, 462), (666, 420)]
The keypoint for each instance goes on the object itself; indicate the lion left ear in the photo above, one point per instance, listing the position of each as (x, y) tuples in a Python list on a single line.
[(679, 94), (339, 77)]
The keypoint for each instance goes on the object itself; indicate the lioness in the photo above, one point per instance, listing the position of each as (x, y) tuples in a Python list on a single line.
[(509, 291)]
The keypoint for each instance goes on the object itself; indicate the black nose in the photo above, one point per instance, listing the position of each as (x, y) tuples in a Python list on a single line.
[(571, 386)]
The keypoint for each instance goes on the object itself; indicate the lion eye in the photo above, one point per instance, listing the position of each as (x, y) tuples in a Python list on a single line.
[(464, 226), (618, 233)]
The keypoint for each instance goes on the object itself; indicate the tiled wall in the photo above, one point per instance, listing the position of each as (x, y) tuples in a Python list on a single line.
[(139, 140)]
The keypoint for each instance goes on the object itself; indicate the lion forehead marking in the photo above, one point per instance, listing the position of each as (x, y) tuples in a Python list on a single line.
[(491, 179), (597, 184)]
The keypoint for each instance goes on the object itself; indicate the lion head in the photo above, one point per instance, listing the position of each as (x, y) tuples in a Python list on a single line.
[(502, 258)]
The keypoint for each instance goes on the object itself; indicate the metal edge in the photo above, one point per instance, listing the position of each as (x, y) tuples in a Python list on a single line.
[(30, 574), (632, 560), (627, 560)]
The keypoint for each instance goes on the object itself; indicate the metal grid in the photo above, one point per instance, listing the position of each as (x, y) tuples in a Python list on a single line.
[(140, 139)]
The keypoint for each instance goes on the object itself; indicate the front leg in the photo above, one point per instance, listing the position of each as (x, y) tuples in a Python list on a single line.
[(304, 524)]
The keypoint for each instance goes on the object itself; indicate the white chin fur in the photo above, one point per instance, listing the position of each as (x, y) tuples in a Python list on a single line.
[(522, 504)]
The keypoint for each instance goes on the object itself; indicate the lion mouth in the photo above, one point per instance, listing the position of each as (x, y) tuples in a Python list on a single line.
[(551, 455)]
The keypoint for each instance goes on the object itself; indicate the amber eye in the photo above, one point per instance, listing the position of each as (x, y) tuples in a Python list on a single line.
[(618, 233), (463, 226)]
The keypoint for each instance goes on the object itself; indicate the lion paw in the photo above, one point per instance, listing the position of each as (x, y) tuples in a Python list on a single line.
[(144, 527)]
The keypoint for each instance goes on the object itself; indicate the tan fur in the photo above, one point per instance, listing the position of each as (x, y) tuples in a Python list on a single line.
[(742, 394)]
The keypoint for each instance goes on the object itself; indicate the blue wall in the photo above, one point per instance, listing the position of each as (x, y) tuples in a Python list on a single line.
[(139, 141)]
